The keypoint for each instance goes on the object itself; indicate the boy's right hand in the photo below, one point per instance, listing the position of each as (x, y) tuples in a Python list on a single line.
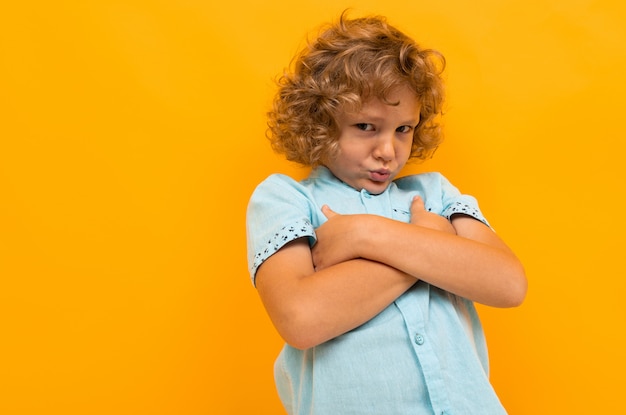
[(421, 217)]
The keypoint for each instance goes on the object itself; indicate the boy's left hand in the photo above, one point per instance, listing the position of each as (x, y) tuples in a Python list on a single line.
[(336, 239)]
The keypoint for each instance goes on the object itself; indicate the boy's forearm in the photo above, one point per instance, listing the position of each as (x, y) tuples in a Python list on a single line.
[(349, 294), (309, 308), (482, 270)]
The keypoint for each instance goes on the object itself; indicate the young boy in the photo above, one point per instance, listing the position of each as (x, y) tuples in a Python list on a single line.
[(368, 278)]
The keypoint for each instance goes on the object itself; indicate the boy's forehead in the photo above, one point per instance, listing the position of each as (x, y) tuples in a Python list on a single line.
[(395, 98), (376, 110)]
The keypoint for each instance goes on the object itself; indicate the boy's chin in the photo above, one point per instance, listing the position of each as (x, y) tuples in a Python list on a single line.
[(376, 187)]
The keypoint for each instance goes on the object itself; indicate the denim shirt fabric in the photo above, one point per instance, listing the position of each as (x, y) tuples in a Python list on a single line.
[(424, 354)]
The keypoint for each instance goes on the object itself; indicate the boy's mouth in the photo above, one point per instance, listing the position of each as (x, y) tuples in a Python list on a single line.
[(380, 175)]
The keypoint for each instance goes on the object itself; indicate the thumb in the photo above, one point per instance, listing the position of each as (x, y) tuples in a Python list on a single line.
[(328, 212), (417, 205)]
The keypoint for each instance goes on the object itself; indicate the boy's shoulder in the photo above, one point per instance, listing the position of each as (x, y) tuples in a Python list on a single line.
[(317, 177), (278, 180), (280, 185)]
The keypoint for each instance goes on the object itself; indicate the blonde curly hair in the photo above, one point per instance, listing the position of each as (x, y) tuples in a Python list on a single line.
[(349, 62)]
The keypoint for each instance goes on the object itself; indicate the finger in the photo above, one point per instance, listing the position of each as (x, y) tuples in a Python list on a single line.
[(328, 212), (417, 205)]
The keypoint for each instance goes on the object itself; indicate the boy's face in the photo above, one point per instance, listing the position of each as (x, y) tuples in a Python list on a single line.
[(375, 142)]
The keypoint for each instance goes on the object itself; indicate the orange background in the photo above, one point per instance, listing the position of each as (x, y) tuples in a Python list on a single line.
[(132, 134)]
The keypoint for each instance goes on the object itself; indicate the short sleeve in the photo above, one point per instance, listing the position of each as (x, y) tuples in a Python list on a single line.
[(279, 211), (454, 202)]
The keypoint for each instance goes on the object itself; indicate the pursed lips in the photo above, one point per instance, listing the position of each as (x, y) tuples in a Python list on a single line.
[(380, 175)]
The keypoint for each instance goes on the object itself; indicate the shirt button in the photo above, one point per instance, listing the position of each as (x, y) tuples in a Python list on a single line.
[(419, 339)]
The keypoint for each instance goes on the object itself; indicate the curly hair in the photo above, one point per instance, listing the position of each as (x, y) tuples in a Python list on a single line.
[(349, 62)]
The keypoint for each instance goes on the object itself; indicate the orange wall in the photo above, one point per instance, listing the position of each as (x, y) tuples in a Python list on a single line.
[(132, 133)]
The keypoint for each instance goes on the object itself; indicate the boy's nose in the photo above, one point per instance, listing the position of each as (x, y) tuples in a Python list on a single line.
[(385, 147)]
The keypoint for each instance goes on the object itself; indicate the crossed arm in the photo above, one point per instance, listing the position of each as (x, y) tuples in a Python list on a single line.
[(362, 263)]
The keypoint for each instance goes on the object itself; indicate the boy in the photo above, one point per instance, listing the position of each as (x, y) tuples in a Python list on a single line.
[(368, 278)]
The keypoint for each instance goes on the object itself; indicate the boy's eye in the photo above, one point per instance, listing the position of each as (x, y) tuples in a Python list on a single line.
[(364, 126), (404, 129)]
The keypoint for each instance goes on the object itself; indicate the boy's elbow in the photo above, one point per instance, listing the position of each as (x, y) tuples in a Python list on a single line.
[(301, 331), (299, 342), (300, 338), (517, 288)]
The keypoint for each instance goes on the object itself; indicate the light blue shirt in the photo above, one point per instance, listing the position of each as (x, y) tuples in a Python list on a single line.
[(424, 354)]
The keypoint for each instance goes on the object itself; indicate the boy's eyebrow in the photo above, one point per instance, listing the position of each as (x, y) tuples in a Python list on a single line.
[(372, 117)]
